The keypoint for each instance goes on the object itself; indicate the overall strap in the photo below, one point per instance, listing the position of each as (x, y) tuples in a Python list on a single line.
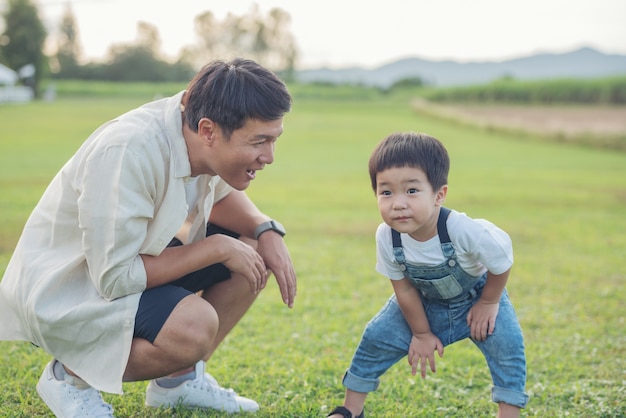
[(442, 228), (395, 239), (398, 251)]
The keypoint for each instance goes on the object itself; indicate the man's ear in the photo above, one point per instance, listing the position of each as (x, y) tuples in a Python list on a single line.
[(207, 130), (441, 195)]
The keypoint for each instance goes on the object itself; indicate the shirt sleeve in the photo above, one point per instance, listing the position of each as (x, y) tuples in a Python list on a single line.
[(484, 242), (222, 189), (385, 261), (115, 205)]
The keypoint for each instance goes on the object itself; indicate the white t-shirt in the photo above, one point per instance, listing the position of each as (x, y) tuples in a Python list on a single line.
[(479, 246)]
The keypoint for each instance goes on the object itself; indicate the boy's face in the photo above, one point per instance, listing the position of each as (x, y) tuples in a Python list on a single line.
[(407, 201), (236, 160)]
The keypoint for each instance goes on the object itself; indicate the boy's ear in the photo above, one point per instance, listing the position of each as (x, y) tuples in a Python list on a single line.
[(441, 195)]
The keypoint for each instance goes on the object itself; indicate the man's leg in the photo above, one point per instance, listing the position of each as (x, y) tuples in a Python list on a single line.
[(231, 299), (176, 344), (186, 337), (192, 332), (181, 342)]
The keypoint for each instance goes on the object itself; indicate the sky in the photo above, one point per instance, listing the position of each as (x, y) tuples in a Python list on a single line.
[(337, 34)]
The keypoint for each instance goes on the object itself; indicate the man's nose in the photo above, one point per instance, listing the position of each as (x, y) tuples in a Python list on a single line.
[(267, 156)]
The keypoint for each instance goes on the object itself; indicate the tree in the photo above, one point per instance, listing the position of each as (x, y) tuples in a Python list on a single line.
[(140, 61), (282, 51), (266, 39), (23, 40), (68, 46)]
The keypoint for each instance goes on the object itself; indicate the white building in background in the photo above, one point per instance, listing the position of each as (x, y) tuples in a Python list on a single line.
[(9, 91)]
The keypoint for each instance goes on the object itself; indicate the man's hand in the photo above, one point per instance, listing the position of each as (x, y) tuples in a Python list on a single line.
[(422, 350), (482, 319), (243, 259), (276, 256)]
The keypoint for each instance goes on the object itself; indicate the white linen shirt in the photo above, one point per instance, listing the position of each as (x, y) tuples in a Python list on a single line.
[(75, 278)]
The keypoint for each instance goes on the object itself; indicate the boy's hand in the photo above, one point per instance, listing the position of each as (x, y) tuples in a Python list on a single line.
[(422, 350), (482, 319)]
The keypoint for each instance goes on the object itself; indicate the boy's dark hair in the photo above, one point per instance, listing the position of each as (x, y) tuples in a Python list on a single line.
[(230, 93), (410, 149)]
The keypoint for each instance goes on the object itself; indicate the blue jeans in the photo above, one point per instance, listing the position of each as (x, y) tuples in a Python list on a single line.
[(387, 337)]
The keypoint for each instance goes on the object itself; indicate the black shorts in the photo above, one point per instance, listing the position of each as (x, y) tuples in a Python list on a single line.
[(156, 304)]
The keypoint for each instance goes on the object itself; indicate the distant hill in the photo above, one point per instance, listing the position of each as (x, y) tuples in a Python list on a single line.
[(581, 63)]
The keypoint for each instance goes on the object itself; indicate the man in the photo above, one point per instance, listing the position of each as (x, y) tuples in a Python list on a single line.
[(144, 252)]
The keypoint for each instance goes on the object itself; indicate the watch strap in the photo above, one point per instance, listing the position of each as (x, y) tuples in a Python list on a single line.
[(270, 225)]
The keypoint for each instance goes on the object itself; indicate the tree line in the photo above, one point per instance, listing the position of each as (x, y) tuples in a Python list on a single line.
[(264, 38), (607, 91)]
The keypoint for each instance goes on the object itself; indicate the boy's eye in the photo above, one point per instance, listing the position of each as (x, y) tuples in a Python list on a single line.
[(385, 193), (412, 191)]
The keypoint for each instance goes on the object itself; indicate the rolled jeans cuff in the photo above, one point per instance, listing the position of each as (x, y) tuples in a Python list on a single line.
[(509, 396), (359, 384)]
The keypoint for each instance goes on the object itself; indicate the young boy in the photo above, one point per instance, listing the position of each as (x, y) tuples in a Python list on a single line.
[(448, 273)]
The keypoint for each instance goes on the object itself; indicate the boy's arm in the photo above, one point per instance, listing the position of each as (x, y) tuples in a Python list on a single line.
[(482, 316), (411, 306), (424, 342)]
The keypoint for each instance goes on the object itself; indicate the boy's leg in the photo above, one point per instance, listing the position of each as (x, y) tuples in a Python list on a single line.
[(384, 342), (504, 352), (508, 411)]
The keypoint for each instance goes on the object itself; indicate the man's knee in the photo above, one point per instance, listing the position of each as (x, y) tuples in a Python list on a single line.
[(191, 328)]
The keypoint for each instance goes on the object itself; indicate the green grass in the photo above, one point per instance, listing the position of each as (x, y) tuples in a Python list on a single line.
[(562, 205)]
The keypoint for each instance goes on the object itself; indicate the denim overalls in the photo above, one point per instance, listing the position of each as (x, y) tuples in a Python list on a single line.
[(448, 293)]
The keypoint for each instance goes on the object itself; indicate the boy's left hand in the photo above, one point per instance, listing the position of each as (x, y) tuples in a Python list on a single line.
[(482, 319)]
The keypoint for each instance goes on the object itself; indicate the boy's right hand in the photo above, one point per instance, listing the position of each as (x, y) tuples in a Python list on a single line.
[(422, 350)]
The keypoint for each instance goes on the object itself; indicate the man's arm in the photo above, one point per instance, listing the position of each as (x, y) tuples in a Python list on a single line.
[(236, 212), (175, 262)]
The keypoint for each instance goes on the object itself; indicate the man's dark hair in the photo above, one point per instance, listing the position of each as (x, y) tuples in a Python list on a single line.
[(230, 93), (410, 149)]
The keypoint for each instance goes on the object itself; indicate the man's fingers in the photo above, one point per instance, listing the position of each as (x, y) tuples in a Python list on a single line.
[(287, 285)]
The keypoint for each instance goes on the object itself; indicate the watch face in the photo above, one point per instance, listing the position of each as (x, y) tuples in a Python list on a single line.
[(278, 227)]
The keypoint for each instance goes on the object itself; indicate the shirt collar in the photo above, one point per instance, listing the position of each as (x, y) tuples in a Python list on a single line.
[(175, 138)]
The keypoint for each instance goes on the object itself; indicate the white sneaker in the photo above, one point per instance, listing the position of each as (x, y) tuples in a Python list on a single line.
[(201, 392), (66, 400)]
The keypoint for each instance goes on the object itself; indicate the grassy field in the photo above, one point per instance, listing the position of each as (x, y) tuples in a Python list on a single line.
[(563, 206)]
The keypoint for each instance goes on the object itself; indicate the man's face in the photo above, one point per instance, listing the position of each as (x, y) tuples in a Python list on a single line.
[(249, 148)]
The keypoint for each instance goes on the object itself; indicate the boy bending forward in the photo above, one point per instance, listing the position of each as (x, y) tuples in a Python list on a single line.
[(448, 273)]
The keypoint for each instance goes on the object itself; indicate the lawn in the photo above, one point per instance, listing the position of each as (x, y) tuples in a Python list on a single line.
[(563, 206)]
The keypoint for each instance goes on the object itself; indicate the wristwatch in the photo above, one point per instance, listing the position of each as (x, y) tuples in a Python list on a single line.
[(271, 225)]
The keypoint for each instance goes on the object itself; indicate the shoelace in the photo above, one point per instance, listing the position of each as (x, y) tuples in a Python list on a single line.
[(209, 383), (92, 402)]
